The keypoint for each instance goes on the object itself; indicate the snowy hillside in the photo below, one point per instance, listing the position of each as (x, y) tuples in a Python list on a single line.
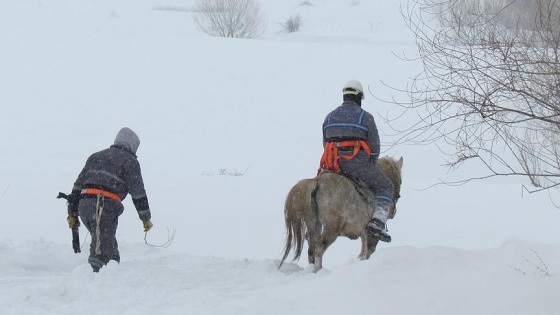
[(73, 73)]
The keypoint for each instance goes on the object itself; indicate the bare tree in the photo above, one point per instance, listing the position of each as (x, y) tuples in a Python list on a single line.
[(230, 18), (292, 24), (490, 84)]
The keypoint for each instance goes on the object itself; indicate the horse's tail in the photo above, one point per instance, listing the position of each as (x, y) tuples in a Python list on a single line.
[(299, 202)]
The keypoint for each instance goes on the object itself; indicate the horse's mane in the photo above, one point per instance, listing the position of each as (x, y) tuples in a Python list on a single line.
[(391, 168)]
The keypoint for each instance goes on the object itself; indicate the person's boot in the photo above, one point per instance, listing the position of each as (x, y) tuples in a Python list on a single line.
[(376, 228), (95, 263), (116, 257)]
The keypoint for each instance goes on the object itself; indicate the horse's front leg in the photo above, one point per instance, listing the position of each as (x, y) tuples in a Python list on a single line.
[(364, 252), (371, 246)]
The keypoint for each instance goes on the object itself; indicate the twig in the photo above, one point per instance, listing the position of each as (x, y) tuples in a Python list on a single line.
[(542, 268), (517, 269), (5, 190)]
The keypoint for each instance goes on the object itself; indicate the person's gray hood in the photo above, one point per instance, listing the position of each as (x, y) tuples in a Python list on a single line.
[(127, 139)]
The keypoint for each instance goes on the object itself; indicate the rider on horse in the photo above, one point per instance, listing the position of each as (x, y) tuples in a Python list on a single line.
[(352, 147)]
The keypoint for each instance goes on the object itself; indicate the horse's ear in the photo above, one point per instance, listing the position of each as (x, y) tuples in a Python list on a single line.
[(400, 162)]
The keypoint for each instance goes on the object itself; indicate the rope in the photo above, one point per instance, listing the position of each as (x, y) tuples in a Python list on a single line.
[(98, 213), (170, 237), (84, 242)]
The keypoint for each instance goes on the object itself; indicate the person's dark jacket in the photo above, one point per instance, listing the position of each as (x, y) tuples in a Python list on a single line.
[(116, 170), (350, 122)]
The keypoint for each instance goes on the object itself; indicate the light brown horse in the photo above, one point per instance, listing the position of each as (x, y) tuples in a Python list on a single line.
[(323, 208)]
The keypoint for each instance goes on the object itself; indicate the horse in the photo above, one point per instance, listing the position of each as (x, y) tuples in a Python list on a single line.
[(323, 208)]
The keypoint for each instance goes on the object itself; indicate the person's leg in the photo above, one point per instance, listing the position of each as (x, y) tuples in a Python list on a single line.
[(382, 187), (87, 215), (104, 246)]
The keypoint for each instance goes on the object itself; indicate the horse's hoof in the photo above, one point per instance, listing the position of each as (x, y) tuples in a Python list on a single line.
[(313, 268)]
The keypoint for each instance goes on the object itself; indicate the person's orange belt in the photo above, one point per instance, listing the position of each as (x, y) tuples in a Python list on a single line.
[(93, 191), (330, 157)]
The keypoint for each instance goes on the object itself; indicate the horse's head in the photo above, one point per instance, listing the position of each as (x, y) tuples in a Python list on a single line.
[(393, 170)]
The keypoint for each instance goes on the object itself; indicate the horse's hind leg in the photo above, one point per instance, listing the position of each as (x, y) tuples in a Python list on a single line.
[(313, 237), (326, 240), (311, 252), (312, 244)]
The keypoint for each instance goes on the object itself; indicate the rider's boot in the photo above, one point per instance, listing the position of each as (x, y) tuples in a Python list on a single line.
[(376, 227)]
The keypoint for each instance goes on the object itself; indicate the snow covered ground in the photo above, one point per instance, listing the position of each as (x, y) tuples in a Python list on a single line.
[(73, 73)]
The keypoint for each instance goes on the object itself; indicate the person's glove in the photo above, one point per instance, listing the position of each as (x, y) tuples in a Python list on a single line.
[(72, 221), (147, 225)]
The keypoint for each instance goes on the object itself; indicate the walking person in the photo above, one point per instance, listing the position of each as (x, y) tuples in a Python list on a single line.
[(106, 179)]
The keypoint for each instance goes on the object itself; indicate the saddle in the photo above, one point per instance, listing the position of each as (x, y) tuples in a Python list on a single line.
[(363, 190)]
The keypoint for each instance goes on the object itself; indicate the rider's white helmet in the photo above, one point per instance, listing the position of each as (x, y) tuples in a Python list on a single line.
[(353, 87)]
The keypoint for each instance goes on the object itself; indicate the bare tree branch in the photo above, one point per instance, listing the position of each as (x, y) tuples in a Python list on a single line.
[(490, 85)]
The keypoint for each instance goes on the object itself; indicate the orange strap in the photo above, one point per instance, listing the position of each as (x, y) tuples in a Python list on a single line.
[(330, 157), (93, 191)]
